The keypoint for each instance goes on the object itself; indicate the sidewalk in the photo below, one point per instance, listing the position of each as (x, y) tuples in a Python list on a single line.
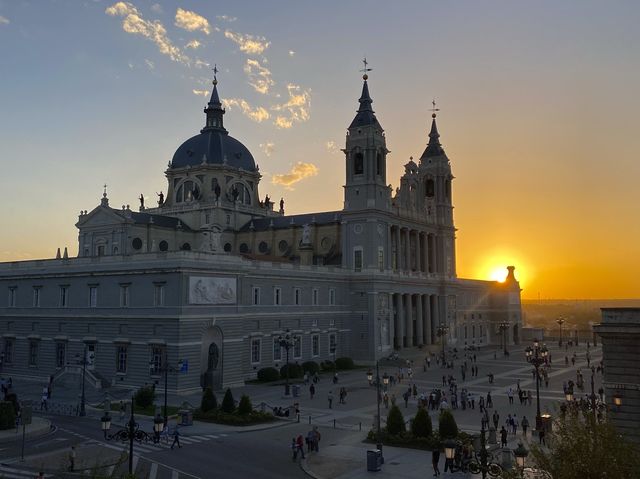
[(38, 427)]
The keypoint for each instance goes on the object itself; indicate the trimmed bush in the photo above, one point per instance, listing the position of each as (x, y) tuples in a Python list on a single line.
[(13, 399), (295, 371), (268, 374), (228, 403), (310, 367), (7, 415), (344, 363), (447, 427), (395, 421), (209, 401), (421, 424), (219, 417), (327, 365), (144, 397), (245, 407)]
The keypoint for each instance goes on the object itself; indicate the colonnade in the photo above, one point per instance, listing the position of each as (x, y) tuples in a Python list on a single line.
[(414, 250), (416, 318)]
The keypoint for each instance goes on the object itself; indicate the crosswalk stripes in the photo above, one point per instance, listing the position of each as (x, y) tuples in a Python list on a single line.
[(7, 472)]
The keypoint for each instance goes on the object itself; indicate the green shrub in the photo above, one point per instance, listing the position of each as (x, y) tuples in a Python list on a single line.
[(209, 401), (245, 407), (447, 427), (13, 399), (395, 421), (268, 374), (228, 403), (310, 367), (421, 424), (219, 417), (344, 363), (295, 371), (327, 365), (7, 415), (144, 397)]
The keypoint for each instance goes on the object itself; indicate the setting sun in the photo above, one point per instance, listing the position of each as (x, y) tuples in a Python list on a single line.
[(499, 273)]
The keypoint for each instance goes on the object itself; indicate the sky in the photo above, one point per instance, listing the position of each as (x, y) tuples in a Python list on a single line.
[(538, 115)]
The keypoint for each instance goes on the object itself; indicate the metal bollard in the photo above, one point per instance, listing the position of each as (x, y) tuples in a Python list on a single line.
[(360, 426), (334, 423)]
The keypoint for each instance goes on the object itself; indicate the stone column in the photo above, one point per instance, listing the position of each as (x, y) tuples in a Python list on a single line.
[(428, 338), (418, 252), (400, 320), (419, 320), (407, 245), (388, 259), (409, 320), (436, 311), (398, 255), (392, 329)]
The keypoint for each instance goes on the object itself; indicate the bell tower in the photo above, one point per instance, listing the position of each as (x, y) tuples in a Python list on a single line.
[(366, 158)]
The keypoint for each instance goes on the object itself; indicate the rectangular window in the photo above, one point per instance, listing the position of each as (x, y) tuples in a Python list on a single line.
[(357, 260), (296, 296), (255, 351), (121, 359), (332, 322), (297, 347), (314, 297), (277, 350), (8, 351), (124, 295), (255, 293), (93, 296), (61, 354), (276, 296), (333, 343), (380, 259), (158, 295), (157, 353), (332, 297), (314, 323), (64, 296), (36, 296), (34, 346), (13, 292), (315, 345)]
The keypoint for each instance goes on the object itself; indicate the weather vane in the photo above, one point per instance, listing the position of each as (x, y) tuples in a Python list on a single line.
[(365, 69), (433, 109), (105, 190)]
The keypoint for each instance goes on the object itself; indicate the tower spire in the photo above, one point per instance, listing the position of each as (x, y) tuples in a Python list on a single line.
[(214, 110), (365, 114), (434, 148)]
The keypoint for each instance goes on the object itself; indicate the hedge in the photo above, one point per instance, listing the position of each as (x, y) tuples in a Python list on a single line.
[(7, 415), (421, 424), (268, 374), (327, 365), (311, 367), (345, 363), (209, 401), (245, 407), (447, 427), (219, 417), (228, 403), (395, 421), (144, 397), (295, 371)]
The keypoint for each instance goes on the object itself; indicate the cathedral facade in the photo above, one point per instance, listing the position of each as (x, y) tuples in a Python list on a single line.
[(208, 281)]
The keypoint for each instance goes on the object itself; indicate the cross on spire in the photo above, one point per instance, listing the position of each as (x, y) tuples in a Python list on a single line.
[(365, 69), (104, 193), (433, 108), (215, 73)]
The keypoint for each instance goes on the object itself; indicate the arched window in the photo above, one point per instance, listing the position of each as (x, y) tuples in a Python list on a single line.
[(379, 164), (358, 164), (186, 247), (429, 188), (185, 192), (242, 192), (163, 246)]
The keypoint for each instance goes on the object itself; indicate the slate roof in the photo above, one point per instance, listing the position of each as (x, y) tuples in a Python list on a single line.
[(283, 222), (158, 220)]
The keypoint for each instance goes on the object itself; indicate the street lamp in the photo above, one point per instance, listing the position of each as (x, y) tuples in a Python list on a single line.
[(385, 378), (131, 433), (504, 327), (569, 395), (560, 322), (286, 342), (483, 462), (165, 369), (442, 332), (617, 399), (537, 356), (521, 454), (83, 411)]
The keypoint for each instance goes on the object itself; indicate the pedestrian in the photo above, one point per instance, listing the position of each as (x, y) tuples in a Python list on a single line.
[(335, 378), (541, 436), (330, 399), (343, 395), (503, 437), (393, 399), (43, 402), (525, 425), (176, 437), (489, 401), (72, 459), (510, 395), (305, 378), (415, 390), (496, 419), (122, 410), (435, 460), (300, 445), (312, 390), (316, 438), (40, 475), (385, 400), (405, 396), (315, 377), (294, 449), (429, 361)]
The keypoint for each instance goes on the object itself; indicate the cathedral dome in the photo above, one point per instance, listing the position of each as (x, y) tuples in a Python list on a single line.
[(213, 147)]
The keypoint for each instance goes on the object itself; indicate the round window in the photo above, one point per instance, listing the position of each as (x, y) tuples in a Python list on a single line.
[(136, 243), (163, 246), (244, 248), (227, 247), (326, 243), (282, 246), (186, 247), (263, 247)]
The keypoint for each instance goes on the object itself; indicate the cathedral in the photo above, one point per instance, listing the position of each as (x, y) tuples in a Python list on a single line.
[(207, 282)]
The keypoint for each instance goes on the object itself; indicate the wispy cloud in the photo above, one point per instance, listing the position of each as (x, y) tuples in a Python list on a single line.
[(259, 76), (133, 23), (298, 172), (249, 44), (4, 20), (257, 114), (268, 148), (191, 21), (331, 146), (193, 44), (157, 8), (291, 53), (294, 110), (226, 18), (200, 92), (150, 64)]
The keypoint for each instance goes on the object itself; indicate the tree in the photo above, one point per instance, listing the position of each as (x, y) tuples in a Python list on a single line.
[(582, 448), (209, 401), (421, 424), (228, 403), (144, 397), (395, 421), (245, 407), (447, 427)]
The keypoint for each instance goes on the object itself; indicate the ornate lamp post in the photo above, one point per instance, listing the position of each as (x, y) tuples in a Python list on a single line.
[(287, 343), (537, 356), (504, 327), (521, 454), (385, 378), (483, 462), (83, 411), (165, 369), (442, 332), (131, 433), (560, 322)]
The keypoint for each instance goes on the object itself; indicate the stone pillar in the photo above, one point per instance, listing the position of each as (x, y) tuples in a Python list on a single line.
[(436, 311), (400, 320), (388, 258), (419, 320), (407, 245), (392, 329), (409, 320), (398, 249), (428, 338), (418, 252)]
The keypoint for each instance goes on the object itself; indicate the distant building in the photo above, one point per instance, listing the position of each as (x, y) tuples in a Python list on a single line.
[(208, 279), (620, 334)]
